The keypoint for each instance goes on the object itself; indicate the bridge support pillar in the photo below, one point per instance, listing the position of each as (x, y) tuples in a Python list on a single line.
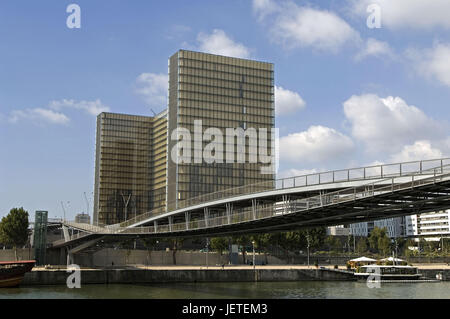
[(155, 225), (254, 208), (206, 212), (66, 233), (229, 211), (187, 217), (170, 223), (285, 200)]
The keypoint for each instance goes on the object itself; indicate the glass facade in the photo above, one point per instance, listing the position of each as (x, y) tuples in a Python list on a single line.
[(134, 170), (222, 92), (130, 174)]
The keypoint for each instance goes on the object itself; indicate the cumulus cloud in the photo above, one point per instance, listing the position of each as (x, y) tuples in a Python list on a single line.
[(218, 42), (52, 113), (287, 102), (301, 26), (38, 115), (296, 172), (263, 8), (433, 63), (91, 107), (420, 150), (153, 88), (375, 48), (317, 144), (386, 124), (407, 14)]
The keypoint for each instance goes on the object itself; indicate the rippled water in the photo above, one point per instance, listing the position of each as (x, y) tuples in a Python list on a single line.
[(261, 290)]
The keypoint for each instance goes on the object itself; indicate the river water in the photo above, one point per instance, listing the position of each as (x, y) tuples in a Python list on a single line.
[(260, 290)]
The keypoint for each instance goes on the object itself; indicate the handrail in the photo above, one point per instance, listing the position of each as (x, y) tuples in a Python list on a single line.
[(385, 170), (295, 206)]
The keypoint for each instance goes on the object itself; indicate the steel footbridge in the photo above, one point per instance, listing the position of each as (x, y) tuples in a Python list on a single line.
[(321, 199)]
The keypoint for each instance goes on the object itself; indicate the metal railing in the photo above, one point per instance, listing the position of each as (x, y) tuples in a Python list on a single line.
[(376, 188), (322, 178)]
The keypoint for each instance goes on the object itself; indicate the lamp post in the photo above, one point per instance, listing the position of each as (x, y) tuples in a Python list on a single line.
[(253, 246), (307, 239), (207, 252)]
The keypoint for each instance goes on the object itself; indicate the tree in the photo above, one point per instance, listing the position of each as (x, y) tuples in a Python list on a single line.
[(384, 245), (176, 244), (243, 241), (361, 245), (317, 237), (378, 236), (14, 228), (149, 243), (219, 244)]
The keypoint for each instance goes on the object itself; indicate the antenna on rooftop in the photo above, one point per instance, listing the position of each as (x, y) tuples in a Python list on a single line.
[(154, 114)]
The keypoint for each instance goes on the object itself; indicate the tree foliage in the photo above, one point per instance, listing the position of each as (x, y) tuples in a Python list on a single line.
[(219, 244), (379, 242), (14, 228)]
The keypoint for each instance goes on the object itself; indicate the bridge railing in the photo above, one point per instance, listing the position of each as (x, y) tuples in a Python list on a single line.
[(304, 205), (337, 176)]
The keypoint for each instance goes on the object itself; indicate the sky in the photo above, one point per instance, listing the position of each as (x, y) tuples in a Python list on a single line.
[(356, 82)]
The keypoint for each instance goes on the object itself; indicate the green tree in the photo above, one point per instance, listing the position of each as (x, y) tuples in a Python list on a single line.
[(176, 244), (149, 243), (317, 237), (384, 245), (361, 245), (262, 243), (14, 229), (378, 236), (219, 244), (242, 241)]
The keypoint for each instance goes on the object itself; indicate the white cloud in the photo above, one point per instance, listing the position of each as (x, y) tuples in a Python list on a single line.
[(296, 172), (218, 42), (38, 115), (375, 48), (153, 87), (91, 107), (388, 124), (407, 14), (317, 144), (420, 150), (287, 102), (433, 63), (297, 26), (263, 8)]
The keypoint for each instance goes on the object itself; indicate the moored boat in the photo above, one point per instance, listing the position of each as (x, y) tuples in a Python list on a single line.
[(12, 272), (387, 273)]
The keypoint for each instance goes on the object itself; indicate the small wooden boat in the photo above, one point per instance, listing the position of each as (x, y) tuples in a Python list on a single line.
[(12, 272)]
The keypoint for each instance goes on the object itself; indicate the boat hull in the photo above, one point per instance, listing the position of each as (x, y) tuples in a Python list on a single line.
[(12, 273)]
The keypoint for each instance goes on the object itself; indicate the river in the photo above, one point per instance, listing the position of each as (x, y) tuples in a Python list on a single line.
[(260, 290)]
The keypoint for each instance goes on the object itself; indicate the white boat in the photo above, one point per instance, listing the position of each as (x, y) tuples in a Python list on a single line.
[(384, 273)]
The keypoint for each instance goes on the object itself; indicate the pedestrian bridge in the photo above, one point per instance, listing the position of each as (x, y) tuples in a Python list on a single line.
[(322, 199)]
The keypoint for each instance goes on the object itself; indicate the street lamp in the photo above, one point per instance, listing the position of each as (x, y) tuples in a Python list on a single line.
[(253, 245)]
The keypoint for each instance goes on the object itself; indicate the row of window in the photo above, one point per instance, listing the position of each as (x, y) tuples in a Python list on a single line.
[(200, 56), (268, 81), (211, 98), (219, 106), (198, 83)]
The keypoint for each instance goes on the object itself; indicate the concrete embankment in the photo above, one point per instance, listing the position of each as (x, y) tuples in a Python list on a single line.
[(147, 276)]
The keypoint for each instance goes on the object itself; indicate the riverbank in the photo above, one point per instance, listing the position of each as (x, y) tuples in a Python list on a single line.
[(197, 274)]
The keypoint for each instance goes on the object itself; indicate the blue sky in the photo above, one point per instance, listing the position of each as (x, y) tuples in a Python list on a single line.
[(346, 95)]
